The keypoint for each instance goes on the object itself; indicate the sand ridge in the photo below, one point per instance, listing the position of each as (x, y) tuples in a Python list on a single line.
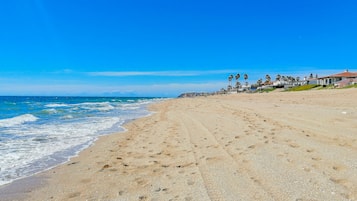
[(271, 146)]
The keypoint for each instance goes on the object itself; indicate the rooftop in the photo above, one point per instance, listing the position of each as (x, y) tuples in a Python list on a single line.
[(344, 74)]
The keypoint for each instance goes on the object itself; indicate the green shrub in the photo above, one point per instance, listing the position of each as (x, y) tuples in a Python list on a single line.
[(303, 87)]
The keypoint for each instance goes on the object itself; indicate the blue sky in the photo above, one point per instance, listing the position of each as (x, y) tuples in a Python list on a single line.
[(164, 48)]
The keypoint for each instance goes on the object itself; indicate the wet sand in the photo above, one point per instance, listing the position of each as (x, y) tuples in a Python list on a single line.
[(271, 146)]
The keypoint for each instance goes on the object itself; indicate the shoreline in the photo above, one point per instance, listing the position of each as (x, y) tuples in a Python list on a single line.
[(18, 188), (269, 146), (38, 133)]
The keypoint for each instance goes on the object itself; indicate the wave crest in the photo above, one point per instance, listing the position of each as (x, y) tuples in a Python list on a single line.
[(56, 105), (17, 120)]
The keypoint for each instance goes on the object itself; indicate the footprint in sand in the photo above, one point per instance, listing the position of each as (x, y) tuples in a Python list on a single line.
[(251, 147), (190, 182), (226, 145), (316, 158), (213, 159), (255, 180), (141, 182), (309, 150), (105, 167), (85, 180), (294, 145), (337, 167), (73, 195), (338, 181)]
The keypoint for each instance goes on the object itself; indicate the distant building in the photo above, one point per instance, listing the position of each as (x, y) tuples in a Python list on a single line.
[(344, 78), (346, 82), (311, 81)]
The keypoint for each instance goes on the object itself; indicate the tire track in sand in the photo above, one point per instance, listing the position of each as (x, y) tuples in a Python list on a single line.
[(211, 188), (219, 170)]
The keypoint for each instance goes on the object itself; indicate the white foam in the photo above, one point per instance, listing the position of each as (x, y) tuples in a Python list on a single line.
[(107, 107), (96, 106), (25, 156), (56, 105), (129, 107), (17, 120), (67, 117), (37, 147)]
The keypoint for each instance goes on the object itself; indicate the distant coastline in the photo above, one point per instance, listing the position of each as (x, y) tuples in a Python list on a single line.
[(341, 80)]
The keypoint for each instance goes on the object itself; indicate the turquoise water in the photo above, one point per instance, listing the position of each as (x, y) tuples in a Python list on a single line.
[(37, 133)]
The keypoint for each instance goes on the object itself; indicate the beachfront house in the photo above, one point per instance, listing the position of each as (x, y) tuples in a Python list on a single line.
[(311, 81), (339, 79)]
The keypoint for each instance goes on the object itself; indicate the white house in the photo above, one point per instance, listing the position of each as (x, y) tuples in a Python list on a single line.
[(333, 79)]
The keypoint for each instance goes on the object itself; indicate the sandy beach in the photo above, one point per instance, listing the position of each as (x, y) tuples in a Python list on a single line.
[(297, 146)]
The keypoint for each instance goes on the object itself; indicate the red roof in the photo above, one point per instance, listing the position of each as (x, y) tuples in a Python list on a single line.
[(344, 74)]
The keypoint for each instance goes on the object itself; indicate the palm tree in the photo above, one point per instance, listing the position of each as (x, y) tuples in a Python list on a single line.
[(284, 78), (237, 83), (259, 82), (237, 76), (267, 79), (278, 77), (245, 78), (230, 78)]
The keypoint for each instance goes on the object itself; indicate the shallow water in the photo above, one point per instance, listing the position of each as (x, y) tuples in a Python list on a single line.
[(37, 133)]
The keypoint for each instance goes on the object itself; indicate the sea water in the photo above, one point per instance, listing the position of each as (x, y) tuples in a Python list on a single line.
[(37, 133)]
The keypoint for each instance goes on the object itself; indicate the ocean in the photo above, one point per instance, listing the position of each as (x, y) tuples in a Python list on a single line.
[(38, 133)]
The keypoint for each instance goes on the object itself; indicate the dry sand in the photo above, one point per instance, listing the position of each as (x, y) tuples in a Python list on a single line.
[(272, 146)]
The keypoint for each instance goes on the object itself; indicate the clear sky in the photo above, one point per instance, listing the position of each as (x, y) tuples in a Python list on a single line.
[(166, 47)]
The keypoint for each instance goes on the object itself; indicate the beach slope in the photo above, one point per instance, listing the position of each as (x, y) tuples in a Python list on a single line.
[(269, 146)]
